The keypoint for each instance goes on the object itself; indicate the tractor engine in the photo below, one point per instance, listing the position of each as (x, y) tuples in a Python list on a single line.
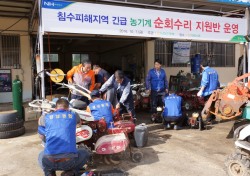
[(231, 99), (227, 103)]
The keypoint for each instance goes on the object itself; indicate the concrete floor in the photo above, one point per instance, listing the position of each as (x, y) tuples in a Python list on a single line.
[(187, 152)]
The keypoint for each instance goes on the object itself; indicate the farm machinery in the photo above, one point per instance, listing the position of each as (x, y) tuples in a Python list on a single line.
[(228, 103)]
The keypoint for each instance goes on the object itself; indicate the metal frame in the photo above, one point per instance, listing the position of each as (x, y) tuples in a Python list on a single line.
[(162, 4)]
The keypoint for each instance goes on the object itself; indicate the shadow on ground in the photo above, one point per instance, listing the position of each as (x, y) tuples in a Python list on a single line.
[(150, 156)]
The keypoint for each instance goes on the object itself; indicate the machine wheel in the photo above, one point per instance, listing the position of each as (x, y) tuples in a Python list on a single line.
[(136, 156), (237, 165), (111, 160)]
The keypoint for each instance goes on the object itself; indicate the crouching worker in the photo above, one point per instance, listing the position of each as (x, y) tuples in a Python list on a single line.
[(101, 109), (60, 152), (172, 112)]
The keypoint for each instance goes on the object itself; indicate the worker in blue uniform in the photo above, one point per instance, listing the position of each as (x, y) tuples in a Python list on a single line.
[(172, 111), (60, 152), (123, 92), (101, 109), (156, 85), (209, 82)]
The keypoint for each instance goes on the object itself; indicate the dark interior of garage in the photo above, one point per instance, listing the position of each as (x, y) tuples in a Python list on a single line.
[(111, 54)]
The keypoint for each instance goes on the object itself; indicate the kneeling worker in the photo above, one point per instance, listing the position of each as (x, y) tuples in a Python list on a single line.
[(60, 152), (101, 109), (172, 111)]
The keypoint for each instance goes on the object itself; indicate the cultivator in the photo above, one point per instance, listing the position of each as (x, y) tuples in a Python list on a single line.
[(191, 100), (227, 103)]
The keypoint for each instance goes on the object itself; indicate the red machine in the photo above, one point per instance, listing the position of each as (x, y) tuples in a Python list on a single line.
[(191, 100), (140, 96), (111, 144), (124, 122), (94, 134), (103, 141), (228, 102)]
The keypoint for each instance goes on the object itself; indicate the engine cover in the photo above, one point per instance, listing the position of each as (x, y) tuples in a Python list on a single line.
[(112, 143)]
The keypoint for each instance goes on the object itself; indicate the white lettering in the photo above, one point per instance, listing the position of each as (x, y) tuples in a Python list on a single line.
[(49, 4)]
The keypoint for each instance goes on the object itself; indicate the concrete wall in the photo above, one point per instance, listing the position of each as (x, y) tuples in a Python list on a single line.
[(150, 50), (123, 57), (24, 72), (226, 74)]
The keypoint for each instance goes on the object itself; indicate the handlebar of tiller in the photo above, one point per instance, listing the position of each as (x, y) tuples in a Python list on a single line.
[(73, 87)]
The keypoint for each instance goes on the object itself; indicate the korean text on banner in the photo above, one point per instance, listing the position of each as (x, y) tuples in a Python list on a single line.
[(87, 18)]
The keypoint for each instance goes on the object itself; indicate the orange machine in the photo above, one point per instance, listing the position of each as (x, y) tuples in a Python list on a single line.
[(227, 103)]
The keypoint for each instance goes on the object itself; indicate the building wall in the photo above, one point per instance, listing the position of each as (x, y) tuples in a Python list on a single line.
[(24, 72), (123, 58), (226, 74), (113, 58)]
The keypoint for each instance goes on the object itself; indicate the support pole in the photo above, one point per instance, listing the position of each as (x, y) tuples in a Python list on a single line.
[(247, 44), (244, 58), (41, 49)]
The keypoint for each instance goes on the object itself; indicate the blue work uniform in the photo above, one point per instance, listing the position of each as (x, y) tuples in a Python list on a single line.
[(60, 132), (102, 109), (210, 80), (172, 106), (156, 81), (123, 92), (60, 151)]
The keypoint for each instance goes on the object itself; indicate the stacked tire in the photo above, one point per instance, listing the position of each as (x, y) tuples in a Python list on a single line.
[(11, 125)]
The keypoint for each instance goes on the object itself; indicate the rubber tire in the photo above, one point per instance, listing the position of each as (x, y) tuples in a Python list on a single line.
[(9, 116), (13, 133), (108, 159), (241, 161), (11, 126), (136, 156)]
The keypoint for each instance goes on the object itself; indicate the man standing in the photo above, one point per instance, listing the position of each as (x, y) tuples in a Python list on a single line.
[(60, 151), (123, 92), (156, 85), (172, 111), (101, 109), (81, 75), (209, 82)]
